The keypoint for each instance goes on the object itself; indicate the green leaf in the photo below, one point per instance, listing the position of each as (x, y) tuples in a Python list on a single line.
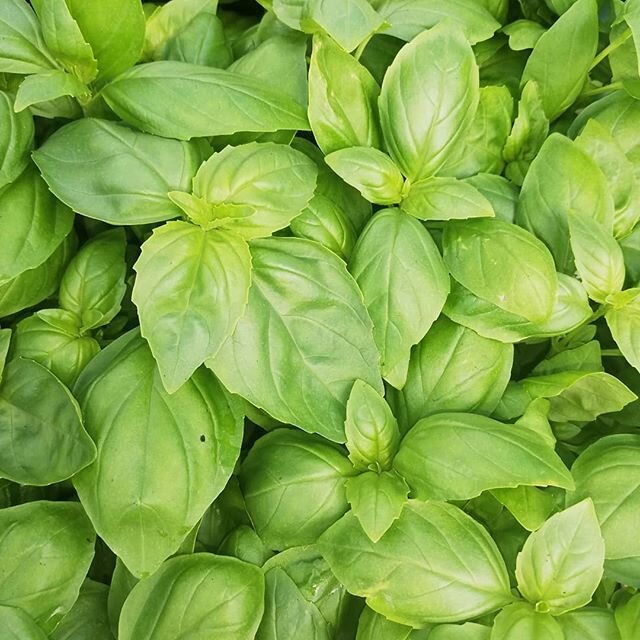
[(452, 369), (372, 626), (122, 582), (488, 455), (596, 142), (17, 625), (34, 223), (34, 285), (293, 498), (523, 34), (428, 100), (500, 192), (22, 47), (143, 511), (371, 429), (480, 151), (303, 598), (502, 264), (404, 283), (302, 300), (202, 41), (589, 624), (343, 109), (251, 177), (570, 310), (48, 85), (377, 501), (445, 199), (520, 621), (599, 258), (418, 571), (47, 548), (167, 22), (529, 131), (53, 338), (574, 36), (16, 140), (409, 19), (561, 564), (191, 289), (348, 22), (530, 506), (112, 173), (579, 395), (114, 30), (93, 284), (608, 472), (203, 101), (43, 438), (212, 594), (64, 39), (370, 171), (280, 61), (628, 618), (624, 323), (88, 616)]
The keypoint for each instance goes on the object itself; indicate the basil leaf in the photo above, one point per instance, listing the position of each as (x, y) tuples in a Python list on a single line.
[(114, 30), (370, 171), (93, 286), (88, 614), (49, 85), (408, 19), (291, 499), (599, 258), (206, 270), (520, 621), (112, 173), (394, 248), (428, 99), (153, 508), (489, 455), (377, 500), (423, 554), (249, 179), (343, 109), (212, 592), (204, 101), (64, 39), (561, 564), (502, 264), (607, 472), (16, 140), (302, 298), (49, 544), (573, 36), (43, 438), (445, 199), (17, 625), (22, 47), (371, 429), (53, 338), (452, 369), (36, 223), (570, 310)]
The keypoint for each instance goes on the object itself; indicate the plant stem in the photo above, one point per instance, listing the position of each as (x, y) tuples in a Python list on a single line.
[(612, 353), (610, 48), (614, 86)]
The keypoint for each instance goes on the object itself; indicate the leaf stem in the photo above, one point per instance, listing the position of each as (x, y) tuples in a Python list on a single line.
[(612, 353), (614, 86), (610, 48)]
